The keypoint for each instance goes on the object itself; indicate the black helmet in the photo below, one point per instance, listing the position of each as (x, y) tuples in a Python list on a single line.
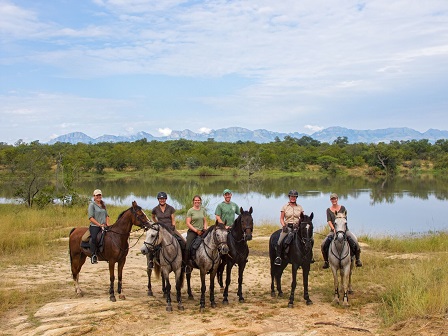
[(293, 193), (162, 195)]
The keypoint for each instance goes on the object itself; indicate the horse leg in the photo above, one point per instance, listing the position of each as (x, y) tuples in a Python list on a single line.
[(228, 278), (334, 269), (77, 261), (295, 267), (305, 275), (212, 289), (345, 276), (120, 278), (112, 280), (149, 272), (168, 292), (241, 268), (350, 289), (278, 282), (203, 287), (221, 273), (179, 280), (188, 275), (164, 286)]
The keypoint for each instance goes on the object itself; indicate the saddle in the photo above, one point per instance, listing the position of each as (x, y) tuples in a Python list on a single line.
[(85, 240), (194, 246)]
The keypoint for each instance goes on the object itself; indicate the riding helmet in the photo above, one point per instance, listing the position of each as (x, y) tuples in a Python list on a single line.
[(293, 193), (162, 195)]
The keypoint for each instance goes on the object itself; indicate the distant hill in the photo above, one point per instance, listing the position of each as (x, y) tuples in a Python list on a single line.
[(234, 134)]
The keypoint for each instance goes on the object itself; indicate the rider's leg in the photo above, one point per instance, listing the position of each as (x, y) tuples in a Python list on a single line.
[(354, 245), (283, 234), (94, 230), (324, 247)]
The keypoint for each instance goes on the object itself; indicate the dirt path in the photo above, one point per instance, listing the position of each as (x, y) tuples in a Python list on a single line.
[(139, 314)]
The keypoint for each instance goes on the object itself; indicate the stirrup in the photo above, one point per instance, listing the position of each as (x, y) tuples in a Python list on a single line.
[(278, 261), (326, 264), (94, 259)]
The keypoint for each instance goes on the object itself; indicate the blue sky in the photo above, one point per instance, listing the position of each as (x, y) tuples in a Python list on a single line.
[(124, 66)]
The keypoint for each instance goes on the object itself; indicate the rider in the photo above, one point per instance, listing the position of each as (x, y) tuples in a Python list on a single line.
[(226, 210), (196, 221), (99, 219), (289, 216), (163, 213), (352, 240)]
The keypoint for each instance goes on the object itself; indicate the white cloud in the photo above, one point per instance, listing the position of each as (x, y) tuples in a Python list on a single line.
[(165, 131), (205, 130), (313, 128)]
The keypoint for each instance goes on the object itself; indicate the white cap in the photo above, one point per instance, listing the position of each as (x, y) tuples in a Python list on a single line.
[(97, 192)]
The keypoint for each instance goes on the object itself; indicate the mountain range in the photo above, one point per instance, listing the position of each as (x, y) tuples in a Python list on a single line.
[(234, 134)]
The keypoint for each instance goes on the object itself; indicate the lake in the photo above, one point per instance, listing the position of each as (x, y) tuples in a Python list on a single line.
[(375, 207)]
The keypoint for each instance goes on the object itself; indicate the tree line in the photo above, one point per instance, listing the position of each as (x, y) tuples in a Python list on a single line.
[(42, 172)]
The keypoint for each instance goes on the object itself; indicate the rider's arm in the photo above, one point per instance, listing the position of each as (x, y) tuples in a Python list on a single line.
[(282, 218)]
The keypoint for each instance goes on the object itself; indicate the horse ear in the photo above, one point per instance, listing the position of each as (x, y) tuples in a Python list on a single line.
[(312, 215), (134, 204), (241, 210), (302, 215), (250, 210)]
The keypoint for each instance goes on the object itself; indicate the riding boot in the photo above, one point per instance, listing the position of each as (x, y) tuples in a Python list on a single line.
[(93, 247), (278, 259), (325, 249), (358, 256)]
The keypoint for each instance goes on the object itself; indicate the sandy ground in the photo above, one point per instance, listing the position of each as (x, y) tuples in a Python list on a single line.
[(94, 314)]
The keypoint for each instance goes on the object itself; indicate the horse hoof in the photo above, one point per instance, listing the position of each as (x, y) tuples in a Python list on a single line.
[(290, 305), (180, 307), (225, 302), (112, 298), (241, 300), (213, 304), (202, 309), (335, 302), (122, 297), (169, 308), (280, 294), (150, 293), (309, 302)]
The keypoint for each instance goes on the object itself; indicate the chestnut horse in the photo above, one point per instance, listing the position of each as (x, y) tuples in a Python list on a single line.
[(115, 247)]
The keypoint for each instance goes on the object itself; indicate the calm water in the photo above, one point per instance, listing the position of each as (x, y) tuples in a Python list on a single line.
[(380, 208)]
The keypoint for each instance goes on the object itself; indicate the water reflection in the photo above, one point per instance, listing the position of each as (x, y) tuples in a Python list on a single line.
[(375, 207)]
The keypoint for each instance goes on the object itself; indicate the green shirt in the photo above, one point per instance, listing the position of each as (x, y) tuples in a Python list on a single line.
[(97, 212), (197, 217), (227, 212)]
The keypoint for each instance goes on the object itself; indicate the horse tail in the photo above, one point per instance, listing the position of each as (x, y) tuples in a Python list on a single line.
[(157, 270)]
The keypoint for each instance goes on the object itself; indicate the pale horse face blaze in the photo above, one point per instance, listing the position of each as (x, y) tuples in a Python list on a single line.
[(221, 239), (150, 241), (340, 226)]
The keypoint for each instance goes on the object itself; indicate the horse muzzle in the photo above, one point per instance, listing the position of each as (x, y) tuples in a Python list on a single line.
[(223, 249), (144, 250), (248, 236)]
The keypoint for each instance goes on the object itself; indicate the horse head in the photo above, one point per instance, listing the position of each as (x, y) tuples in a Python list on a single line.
[(247, 223), (152, 239), (140, 219), (340, 226), (220, 238), (306, 230)]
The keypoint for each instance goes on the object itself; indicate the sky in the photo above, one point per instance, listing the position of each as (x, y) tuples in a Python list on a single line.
[(120, 67)]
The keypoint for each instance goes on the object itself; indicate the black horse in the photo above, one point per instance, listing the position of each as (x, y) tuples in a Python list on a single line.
[(237, 238), (299, 254)]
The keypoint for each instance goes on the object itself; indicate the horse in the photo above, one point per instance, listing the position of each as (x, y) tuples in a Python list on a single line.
[(115, 247), (168, 254), (207, 259), (340, 259), (299, 254), (239, 234)]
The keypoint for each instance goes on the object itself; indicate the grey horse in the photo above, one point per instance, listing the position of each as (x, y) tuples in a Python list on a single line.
[(168, 258), (207, 259), (341, 260)]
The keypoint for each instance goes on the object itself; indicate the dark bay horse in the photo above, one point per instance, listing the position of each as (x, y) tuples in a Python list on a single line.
[(168, 258), (207, 259), (115, 247), (341, 260), (239, 234), (299, 255)]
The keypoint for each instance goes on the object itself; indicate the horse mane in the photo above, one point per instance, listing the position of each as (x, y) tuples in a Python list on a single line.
[(120, 215)]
